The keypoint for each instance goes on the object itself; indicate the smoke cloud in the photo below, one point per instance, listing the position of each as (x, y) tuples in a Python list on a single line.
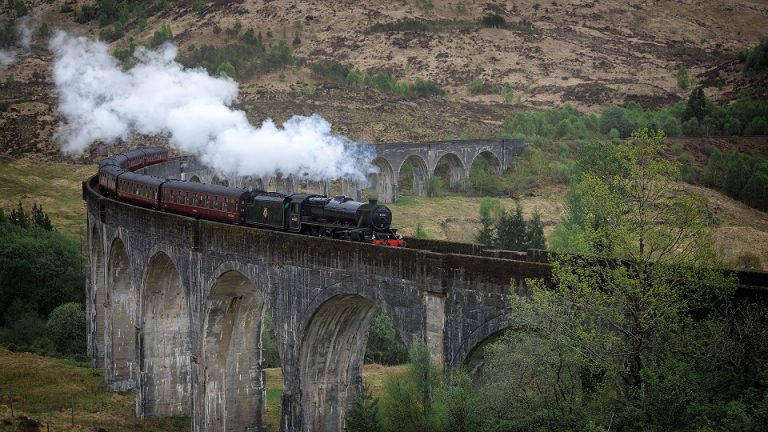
[(25, 29), (101, 101), (7, 58)]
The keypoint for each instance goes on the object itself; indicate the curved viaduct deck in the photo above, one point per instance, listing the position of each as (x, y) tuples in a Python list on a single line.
[(175, 310)]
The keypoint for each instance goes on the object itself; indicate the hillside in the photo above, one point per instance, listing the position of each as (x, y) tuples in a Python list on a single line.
[(585, 53), (588, 54)]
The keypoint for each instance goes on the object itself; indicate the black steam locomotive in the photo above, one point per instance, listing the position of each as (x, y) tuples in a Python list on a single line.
[(337, 217)]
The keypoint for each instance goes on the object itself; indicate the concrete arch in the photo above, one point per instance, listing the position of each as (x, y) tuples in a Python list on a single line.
[(234, 383), (331, 360), (121, 370), (165, 341), (194, 179), (98, 293), (456, 172), (420, 174), (486, 331), (386, 184), (495, 166)]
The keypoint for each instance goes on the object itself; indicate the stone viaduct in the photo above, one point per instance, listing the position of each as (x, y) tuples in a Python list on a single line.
[(175, 310), (457, 156)]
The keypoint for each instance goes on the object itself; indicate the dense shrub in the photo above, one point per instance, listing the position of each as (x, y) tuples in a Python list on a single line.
[(39, 270), (697, 116), (66, 329), (741, 176), (756, 59), (247, 56)]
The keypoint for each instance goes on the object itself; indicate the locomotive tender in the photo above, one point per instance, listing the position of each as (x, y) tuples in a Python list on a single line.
[(335, 217)]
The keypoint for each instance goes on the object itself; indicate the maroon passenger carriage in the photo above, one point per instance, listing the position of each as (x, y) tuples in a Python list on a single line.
[(214, 202)]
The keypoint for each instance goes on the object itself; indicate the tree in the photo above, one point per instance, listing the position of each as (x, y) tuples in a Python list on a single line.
[(697, 105), (682, 78), (490, 209), (40, 219), (652, 265), (384, 343), (66, 328), (408, 403), (534, 233), (510, 230), (19, 216), (364, 415), (615, 117)]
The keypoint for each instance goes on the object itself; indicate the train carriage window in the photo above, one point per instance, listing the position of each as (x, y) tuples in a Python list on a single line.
[(224, 206), (186, 199), (207, 202)]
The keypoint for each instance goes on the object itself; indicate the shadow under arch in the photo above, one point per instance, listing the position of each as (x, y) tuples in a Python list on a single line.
[(416, 167), (488, 158), (486, 332), (235, 391), (331, 360), (194, 179), (450, 167), (165, 341), (121, 372), (98, 282)]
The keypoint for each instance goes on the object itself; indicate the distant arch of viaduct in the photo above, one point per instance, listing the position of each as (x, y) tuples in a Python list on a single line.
[(457, 156)]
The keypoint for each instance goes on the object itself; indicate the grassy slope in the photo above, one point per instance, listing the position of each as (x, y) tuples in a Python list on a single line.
[(56, 186), (44, 388)]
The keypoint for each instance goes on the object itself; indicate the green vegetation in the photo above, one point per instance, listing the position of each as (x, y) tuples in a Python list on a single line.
[(243, 58), (509, 231), (161, 35), (640, 334), (475, 86), (330, 71), (40, 269), (696, 117), (683, 81), (384, 343), (741, 176), (756, 59), (437, 25), (7, 32)]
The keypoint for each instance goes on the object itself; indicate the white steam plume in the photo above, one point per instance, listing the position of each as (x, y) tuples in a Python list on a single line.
[(26, 28), (100, 101), (7, 58)]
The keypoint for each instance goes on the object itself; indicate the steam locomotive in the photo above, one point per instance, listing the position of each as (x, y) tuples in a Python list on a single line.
[(335, 217)]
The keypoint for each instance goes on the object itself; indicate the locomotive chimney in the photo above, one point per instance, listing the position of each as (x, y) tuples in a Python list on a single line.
[(372, 201)]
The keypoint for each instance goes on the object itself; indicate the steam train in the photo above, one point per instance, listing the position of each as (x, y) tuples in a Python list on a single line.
[(336, 217)]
